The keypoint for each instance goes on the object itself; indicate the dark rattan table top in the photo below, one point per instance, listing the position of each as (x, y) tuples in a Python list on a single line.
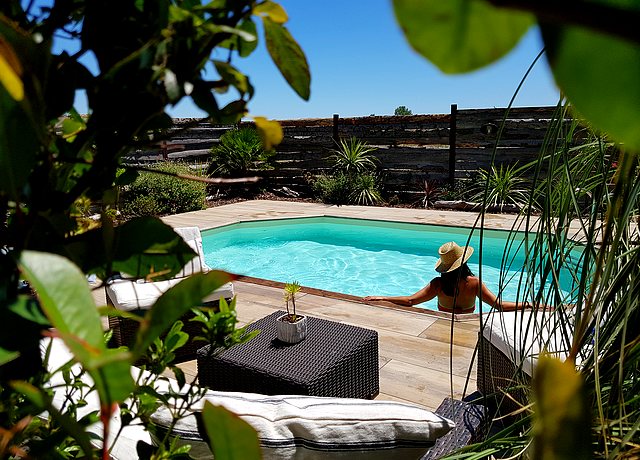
[(331, 351)]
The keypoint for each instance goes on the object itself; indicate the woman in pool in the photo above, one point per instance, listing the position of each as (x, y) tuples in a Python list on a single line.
[(456, 282)]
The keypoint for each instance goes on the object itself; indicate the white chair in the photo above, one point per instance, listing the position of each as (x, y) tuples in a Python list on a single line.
[(139, 296)]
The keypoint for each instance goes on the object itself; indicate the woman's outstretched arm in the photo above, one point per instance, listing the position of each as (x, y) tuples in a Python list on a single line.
[(488, 297), (426, 293)]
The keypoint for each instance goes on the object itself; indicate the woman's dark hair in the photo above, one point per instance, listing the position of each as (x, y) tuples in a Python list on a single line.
[(449, 280)]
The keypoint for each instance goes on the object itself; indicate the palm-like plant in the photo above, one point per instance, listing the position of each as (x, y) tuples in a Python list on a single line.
[(502, 186), (365, 190), (353, 156), (290, 291), (239, 152)]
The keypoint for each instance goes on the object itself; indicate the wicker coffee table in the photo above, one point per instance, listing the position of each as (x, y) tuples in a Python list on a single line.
[(335, 359)]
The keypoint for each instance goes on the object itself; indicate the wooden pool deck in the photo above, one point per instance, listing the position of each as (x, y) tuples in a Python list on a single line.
[(419, 362), (417, 357)]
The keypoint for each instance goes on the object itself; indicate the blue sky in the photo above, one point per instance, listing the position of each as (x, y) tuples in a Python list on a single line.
[(361, 65)]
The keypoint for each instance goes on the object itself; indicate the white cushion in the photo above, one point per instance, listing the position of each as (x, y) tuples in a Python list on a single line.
[(522, 336), (288, 426), (125, 445), (192, 236), (312, 427), (129, 295)]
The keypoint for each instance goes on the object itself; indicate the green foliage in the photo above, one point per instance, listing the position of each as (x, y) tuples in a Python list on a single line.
[(431, 191), (582, 49), (153, 194), (339, 188), (500, 186), (602, 324), (365, 190), (402, 110), (219, 326), (561, 428), (54, 161), (290, 291), (288, 56), (332, 189), (230, 437), (353, 156), (354, 179), (68, 304), (239, 152)]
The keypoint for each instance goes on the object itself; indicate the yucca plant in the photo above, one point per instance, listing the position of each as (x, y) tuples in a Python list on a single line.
[(502, 185), (365, 190), (290, 291), (239, 152), (353, 156)]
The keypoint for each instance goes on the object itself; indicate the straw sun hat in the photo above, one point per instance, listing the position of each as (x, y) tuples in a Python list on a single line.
[(452, 256)]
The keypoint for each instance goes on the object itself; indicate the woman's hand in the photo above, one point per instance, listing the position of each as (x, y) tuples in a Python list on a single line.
[(372, 297)]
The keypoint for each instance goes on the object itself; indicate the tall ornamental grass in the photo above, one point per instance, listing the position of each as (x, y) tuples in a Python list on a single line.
[(587, 197)]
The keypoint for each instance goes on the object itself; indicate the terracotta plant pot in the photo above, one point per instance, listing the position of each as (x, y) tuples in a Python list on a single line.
[(291, 332)]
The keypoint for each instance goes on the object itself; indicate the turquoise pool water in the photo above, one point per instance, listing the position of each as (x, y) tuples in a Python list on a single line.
[(353, 256)]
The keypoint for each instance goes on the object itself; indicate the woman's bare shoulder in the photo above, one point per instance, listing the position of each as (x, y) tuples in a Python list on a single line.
[(473, 281)]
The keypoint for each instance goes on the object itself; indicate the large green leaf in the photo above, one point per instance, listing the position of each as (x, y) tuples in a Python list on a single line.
[(18, 132), (239, 43), (65, 298), (234, 77), (7, 356), (230, 437), (288, 56), (141, 247), (460, 35), (175, 302), (599, 75)]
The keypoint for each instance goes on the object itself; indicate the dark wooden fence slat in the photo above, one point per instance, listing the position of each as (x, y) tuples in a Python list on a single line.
[(441, 147)]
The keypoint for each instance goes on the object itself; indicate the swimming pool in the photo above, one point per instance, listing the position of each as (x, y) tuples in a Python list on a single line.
[(354, 256)]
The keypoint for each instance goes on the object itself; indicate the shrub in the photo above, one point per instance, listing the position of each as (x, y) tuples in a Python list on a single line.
[(430, 192), (239, 151), (365, 190), (354, 180), (339, 188), (154, 194), (332, 189)]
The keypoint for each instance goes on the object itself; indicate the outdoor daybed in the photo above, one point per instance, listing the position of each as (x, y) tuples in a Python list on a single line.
[(299, 427)]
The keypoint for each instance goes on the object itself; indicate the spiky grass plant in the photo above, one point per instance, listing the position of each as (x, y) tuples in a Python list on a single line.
[(353, 157), (365, 189), (589, 196), (239, 152), (502, 185)]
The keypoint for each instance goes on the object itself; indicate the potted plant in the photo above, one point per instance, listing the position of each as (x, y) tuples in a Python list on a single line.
[(291, 327)]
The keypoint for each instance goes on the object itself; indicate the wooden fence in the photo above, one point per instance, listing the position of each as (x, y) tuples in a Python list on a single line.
[(411, 148)]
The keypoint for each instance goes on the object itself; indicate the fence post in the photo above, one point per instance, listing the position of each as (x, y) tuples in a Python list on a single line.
[(452, 143), (336, 119)]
